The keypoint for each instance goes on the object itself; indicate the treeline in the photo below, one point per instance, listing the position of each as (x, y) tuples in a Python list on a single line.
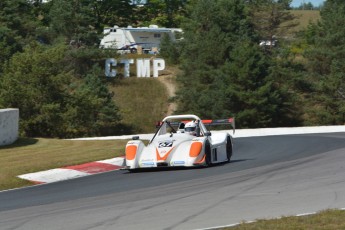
[(307, 6), (293, 79), (52, 69)]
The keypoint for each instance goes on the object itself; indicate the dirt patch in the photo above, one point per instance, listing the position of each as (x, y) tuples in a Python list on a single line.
[(168, 78)]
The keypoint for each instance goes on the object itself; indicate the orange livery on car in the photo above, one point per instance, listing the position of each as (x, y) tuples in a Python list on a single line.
[(181, 141)]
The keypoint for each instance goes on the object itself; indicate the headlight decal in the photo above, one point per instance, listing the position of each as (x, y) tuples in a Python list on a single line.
[(195, 149), (131, 151)]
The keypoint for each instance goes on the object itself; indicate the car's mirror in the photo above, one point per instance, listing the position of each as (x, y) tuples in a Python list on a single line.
[(135, 138)]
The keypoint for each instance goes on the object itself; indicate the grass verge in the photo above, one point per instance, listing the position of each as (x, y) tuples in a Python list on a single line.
[(328, 219), (29, 155), (142, 102)]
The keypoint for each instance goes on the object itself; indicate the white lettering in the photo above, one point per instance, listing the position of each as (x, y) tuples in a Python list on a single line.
[(109, 72), (143, 67), (126, 70), (158, 64)]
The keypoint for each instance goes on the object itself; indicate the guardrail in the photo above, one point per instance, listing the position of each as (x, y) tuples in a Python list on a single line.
[(9, 126)]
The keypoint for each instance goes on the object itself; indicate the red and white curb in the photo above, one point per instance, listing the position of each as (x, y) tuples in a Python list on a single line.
[(75, 171)]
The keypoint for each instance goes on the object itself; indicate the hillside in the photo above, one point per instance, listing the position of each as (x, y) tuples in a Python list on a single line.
[(141, 108), (144, 101), (304, 17)]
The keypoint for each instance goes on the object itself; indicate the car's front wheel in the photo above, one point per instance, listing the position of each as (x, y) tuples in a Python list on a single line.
[(228, 148), (208, 154)]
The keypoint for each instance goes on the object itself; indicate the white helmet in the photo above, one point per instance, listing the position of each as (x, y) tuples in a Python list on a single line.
[(190, 128)]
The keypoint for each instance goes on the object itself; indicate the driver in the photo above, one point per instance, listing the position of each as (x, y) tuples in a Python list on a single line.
[(190, 128)]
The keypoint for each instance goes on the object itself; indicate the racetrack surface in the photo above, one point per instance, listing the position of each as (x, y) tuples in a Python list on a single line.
[(268, 177)]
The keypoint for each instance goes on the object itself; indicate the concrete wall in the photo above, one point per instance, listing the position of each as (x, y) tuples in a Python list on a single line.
[(9, 125)]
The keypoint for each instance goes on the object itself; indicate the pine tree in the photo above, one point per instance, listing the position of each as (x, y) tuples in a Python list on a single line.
[(165, 13), (225, 73), (53, 102), (17, 27), (271, 19), (327, 66)]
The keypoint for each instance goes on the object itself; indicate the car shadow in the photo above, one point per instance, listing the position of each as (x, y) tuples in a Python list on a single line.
[(240, 160), (160, 169)]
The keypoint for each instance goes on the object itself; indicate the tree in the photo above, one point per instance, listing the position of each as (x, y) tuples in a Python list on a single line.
[(306, 6), (204, 48), (326, 65), (90, 109), (34, 83), (165, 13), (113, 12), (225, 72), (271, 19), (52, 101), (80, 28), (17, 27), (170, 50)]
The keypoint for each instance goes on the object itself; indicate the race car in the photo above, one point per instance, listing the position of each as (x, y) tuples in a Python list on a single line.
[(181, 141)]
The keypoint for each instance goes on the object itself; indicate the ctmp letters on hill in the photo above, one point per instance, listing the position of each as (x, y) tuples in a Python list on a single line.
[(143, 66)]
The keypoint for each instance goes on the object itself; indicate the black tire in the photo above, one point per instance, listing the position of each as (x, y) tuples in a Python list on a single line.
[(228, 148), (208, 154), (135, 170)]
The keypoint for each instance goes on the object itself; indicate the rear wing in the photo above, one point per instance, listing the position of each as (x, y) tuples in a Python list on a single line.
[(230, 121)]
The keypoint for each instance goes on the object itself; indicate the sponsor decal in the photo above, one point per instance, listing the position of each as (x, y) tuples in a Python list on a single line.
[(178, 163), (164, 144), (147, 164)]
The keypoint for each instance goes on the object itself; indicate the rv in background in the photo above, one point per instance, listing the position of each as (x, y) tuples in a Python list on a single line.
[(142, 39)]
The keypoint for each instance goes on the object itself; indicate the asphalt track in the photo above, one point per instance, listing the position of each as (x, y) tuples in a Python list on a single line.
[(268, 177)]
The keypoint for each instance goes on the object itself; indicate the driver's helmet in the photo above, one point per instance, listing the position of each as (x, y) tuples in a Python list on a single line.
[(190, 128)]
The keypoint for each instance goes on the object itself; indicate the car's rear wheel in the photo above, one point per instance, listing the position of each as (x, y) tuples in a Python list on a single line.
[(228, 148)]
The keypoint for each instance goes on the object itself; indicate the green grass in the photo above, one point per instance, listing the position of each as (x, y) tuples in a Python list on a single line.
[(142, 102), (29, 155), (329, 219), (304, 17)]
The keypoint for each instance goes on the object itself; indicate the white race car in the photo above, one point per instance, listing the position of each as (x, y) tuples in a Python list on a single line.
[(181, 141)]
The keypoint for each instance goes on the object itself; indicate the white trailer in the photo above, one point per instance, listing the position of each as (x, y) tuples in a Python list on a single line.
[(129, 39)]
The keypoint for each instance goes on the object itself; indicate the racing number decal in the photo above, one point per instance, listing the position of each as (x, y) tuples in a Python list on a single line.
[(164, 144)]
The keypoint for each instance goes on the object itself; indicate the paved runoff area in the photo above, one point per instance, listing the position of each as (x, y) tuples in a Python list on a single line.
[(117, 163)]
